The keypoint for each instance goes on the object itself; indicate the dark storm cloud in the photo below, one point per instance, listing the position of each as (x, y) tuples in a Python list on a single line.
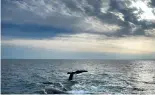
[(131, 18), (31, 31), (72, 15), (153, 2)]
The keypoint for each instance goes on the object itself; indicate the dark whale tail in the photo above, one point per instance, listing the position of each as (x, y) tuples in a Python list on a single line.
[(76, 72)]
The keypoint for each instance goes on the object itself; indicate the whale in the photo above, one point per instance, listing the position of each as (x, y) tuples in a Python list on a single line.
[(63, 89), (76, 72), (51, 91), (54, 91)]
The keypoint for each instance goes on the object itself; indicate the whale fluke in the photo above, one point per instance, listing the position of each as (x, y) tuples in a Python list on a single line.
[(76, 72), (80, 71)]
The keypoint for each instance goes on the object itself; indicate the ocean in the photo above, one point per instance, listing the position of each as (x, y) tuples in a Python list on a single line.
[(37, 76)]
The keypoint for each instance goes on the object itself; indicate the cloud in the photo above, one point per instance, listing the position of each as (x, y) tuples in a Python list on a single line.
[(150, 32), (57, 14), (152, 3), (101, 16), (90, 43), (98, 26)]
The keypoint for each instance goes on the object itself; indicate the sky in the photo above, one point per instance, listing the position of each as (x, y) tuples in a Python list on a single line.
[(78, 29)]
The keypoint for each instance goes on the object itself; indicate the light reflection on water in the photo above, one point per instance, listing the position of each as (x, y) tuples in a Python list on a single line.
[(142, 76), (104, 76)]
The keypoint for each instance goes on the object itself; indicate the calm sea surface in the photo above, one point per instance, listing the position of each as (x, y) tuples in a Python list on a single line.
[(103, 76)]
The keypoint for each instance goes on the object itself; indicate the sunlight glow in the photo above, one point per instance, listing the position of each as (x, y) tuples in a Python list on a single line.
[(127, 45), (143, 11)]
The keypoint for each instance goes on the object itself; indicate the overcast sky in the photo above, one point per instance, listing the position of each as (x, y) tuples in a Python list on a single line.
[(78, 29)]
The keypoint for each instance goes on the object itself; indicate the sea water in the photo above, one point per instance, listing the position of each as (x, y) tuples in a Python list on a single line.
[(103, 76)]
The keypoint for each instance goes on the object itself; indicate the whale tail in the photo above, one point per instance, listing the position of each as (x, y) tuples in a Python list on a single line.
[(76, 72)]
